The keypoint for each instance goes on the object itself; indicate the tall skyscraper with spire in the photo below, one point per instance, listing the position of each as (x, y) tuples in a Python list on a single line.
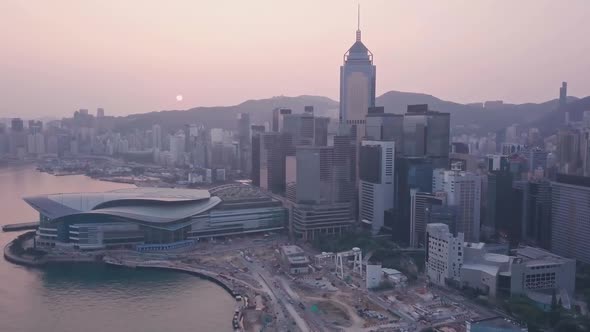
[(357, 84)]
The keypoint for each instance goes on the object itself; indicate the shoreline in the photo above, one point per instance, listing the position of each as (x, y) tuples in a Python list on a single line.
[(9, 256)]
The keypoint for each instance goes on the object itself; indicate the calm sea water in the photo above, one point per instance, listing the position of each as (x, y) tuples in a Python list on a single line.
[(90, 297)]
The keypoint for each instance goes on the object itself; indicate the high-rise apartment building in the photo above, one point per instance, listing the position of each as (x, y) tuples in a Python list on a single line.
[(444, 254), (376, 185), (463, 190)]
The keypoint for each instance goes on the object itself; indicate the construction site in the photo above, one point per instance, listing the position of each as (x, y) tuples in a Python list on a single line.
[(286, 287)]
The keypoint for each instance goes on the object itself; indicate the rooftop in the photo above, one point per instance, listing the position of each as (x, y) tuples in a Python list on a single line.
[(497, 322), (486, 268), (145, 205), (533, 254), (292, 250)]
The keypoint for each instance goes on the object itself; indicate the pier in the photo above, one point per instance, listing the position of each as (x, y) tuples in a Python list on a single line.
[(23, 226)]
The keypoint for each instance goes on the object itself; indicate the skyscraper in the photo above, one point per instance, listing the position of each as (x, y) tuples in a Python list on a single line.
[(278, 115), (157, 137), (319, 207), (301, 128), (376, 184), (568, 150), (385, 126), (357, 84), (177, 148), (536, 213), (463, 189), (100, 112), (427, 133), (321, 131), (504, 207), (17, 125), (563, 94), (570, 212), (421, 204), (244, 143), (272, 152), (306, 129)]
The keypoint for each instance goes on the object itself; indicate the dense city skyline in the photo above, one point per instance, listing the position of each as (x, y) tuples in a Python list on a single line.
[(141, 58)]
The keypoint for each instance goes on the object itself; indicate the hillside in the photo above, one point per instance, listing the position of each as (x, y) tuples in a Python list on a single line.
[(225, 116), (551, 121), (464, 118)]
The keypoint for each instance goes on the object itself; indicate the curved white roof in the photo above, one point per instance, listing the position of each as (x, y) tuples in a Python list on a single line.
[(149, 205)]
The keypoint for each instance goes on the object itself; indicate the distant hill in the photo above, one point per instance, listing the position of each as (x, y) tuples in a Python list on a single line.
[(225, 116), (551, 121), (463, 117), (468, 116)]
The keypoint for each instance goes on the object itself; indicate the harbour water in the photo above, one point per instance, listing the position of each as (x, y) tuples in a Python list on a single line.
[(90, 297)]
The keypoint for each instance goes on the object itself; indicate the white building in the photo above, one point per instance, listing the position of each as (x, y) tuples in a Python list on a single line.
[(376, 186), (374, 275), (444, 254), (533, 272), (463, 190), (529, 271)]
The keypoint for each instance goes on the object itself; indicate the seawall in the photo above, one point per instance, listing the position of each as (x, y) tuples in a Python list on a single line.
[(194, 273)]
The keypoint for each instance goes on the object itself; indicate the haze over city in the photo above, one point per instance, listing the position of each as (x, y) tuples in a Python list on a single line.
[(138, 56)]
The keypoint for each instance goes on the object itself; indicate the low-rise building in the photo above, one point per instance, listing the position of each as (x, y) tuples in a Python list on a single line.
[(529, 271), (394, 276), (494, 324), (374, 275), (294, 259)]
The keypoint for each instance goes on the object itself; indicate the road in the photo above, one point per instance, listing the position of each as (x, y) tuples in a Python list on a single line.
[(282, 318)]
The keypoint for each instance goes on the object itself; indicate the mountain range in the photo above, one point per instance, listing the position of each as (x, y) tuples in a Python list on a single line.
[(464, 117)]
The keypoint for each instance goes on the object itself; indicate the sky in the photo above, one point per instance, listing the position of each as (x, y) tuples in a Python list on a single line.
[(137, 56)]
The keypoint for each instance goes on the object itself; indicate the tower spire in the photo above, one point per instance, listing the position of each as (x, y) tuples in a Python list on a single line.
[(358, 23)]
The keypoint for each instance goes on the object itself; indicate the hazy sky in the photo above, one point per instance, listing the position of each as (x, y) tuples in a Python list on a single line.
[(133, 56)]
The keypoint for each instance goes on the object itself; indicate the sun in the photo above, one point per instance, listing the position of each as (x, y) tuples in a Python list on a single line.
[(179, 98)]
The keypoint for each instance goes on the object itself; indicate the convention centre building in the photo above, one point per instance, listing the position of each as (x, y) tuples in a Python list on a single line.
[(153, 218)]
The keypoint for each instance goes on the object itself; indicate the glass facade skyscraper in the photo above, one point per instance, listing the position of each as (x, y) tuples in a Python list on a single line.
[(357, 84)]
